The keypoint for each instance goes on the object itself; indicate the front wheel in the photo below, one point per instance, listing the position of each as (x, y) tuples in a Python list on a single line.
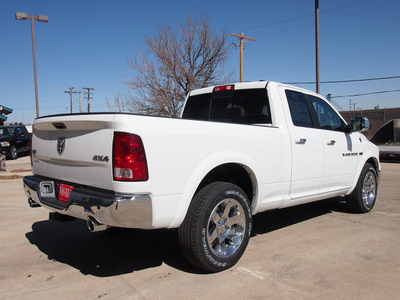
[(217, 227), (363, 198), (13, 153)]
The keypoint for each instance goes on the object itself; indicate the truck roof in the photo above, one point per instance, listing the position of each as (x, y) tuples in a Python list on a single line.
[(249, 85), (238, 86)]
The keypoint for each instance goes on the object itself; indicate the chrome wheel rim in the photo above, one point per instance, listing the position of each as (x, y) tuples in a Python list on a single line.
[(226, 228), (14, 153), (369, 189)]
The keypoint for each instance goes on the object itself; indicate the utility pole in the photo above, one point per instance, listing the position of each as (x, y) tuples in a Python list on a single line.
[(70, 92), (317, 44), (352, 105), (88, 97), (80, 102), (242, 38)]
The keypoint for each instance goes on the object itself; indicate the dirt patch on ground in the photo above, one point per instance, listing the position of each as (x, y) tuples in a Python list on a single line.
[(21, 170), (11, 176)]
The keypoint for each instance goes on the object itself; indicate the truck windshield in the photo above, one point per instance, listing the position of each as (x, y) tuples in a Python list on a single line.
[(249, 106)]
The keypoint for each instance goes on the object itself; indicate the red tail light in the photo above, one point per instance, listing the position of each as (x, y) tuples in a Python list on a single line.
[(30, 150), (229, 87), (129, 158)]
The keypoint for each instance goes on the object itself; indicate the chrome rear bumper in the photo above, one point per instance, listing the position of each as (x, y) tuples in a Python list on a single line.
[(131, 211)]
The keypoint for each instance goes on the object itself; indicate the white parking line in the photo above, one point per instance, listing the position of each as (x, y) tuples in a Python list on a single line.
[(255, 274)]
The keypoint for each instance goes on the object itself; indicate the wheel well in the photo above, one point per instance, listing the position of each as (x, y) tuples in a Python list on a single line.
[(373, 162), (233, 173)]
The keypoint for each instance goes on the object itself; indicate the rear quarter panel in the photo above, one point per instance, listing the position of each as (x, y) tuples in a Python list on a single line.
[(180, 153)]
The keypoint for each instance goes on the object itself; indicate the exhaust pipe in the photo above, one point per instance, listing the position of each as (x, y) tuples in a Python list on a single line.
[(32, 203), (95, 226), (56, 217)]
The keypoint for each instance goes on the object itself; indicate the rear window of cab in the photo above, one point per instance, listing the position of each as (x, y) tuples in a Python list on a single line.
[(247, 106)]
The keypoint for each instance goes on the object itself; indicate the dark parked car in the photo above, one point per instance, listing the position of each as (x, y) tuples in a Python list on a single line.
[(14, 139)]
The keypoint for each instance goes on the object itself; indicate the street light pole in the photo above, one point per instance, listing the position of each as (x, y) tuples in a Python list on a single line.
[(34, 67), (40, 18)]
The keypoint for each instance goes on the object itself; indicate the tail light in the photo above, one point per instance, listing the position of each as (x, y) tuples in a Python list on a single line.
[(129, 158), (30, 149), (222, 88)]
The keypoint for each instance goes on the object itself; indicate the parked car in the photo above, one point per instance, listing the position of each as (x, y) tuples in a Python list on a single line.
[(14, 139)]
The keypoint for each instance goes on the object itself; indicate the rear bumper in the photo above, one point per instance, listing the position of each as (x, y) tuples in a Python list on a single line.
[(131, 211)]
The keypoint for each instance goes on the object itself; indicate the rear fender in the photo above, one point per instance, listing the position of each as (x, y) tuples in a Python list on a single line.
[(201, 172)]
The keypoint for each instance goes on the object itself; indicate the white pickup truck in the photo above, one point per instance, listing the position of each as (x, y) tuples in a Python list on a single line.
[(237, 150)]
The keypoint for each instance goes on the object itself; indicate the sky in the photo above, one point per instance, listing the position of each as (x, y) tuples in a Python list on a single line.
[(87, 44)]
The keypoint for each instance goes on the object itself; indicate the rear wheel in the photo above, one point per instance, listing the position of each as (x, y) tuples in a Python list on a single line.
[(363, 198), (217, 227)]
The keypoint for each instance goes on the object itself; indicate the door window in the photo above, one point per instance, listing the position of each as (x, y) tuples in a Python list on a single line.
[(299, 109), (327, 117)]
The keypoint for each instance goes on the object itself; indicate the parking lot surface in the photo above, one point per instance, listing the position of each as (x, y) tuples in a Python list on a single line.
[(314, 251)]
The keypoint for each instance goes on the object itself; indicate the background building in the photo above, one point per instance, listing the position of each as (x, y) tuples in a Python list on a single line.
[(378, 117), (3, 112)]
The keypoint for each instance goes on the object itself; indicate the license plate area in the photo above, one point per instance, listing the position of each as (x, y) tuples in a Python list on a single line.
[(64, 192)]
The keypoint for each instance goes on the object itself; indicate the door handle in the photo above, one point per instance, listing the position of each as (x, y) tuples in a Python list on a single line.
[(331, 143), (301, 141)]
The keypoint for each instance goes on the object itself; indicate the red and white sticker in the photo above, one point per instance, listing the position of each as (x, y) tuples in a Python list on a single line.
[(65, 192)]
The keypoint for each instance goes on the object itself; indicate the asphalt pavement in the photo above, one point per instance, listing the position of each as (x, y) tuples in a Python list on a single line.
[(314, 251)]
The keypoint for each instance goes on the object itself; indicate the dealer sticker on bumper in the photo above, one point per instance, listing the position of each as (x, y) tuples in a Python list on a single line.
[(65, 192)]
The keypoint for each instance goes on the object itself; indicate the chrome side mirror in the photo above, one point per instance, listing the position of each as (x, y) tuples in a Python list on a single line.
[(360, 124)]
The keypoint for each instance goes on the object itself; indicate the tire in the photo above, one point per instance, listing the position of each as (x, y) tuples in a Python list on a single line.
[(363, 198), (13, 153), (217, 227)]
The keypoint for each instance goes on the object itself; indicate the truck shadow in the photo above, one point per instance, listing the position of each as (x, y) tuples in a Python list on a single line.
[(112, 252), (119, 251), (277, 219)]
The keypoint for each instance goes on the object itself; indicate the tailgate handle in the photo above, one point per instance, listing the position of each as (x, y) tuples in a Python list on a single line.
[(59, 125)]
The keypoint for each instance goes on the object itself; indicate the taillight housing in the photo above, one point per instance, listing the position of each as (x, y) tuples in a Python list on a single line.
[(129, 158), (30, 149)]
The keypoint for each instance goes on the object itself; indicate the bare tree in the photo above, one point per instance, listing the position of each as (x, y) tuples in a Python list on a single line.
[(175, 63), (118, 104)]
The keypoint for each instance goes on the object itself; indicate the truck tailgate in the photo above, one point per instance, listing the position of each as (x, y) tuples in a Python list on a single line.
[(74, 148)]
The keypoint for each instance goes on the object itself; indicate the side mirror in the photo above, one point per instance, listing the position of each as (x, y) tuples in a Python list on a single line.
[(360, 124)]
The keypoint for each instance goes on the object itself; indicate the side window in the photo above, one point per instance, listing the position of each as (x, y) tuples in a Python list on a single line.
[(299, 109), (327, 117)]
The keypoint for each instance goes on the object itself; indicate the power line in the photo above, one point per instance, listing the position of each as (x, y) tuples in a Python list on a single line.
[(305, 16), (309, 16), (365, 94), (46, 107), (347, 80)]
